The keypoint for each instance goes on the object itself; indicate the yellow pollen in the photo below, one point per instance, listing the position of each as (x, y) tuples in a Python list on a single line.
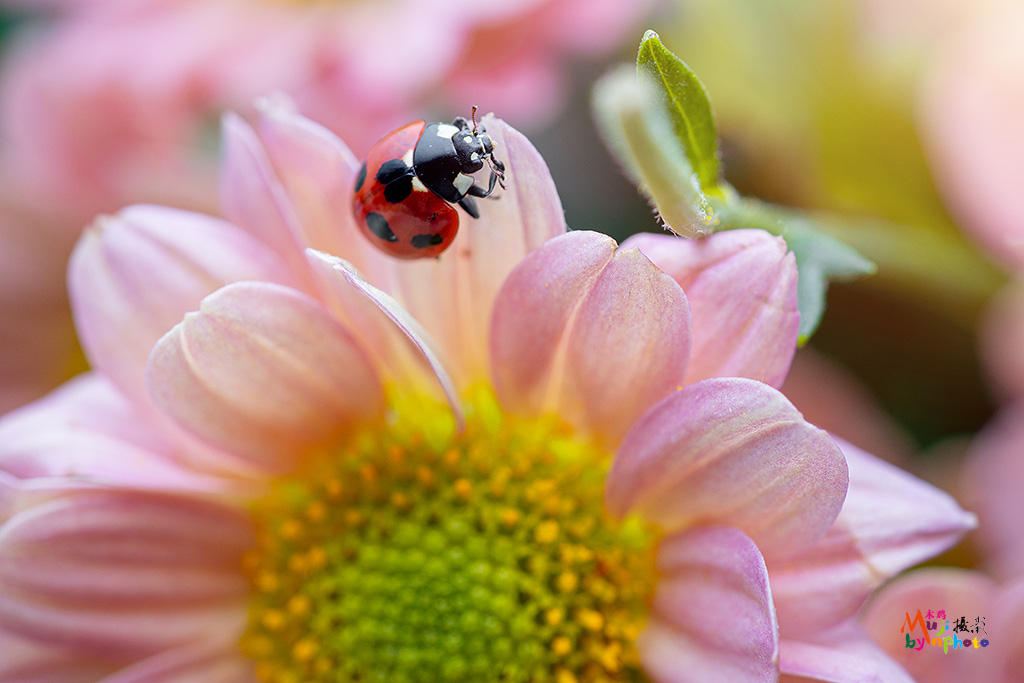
[(609, 656), (554, 616), (561, 646), (273, 619), (463, 489), (291, 529), (316, 557), (299, 605), (316, 511), (590, 619), (451, 458), (304, 650), (368, 473), (425, 475), (267, 581), (546, 532), (297, 564), (353, 518), (510, 517), (400, 500), (333, 488), (565, 676), (568, 582)]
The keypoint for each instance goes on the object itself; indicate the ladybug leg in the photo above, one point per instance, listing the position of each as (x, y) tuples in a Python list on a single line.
[(477, 191), (469, 204)]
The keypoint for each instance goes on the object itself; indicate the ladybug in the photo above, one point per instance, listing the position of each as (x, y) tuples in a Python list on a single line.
[(405, 189)]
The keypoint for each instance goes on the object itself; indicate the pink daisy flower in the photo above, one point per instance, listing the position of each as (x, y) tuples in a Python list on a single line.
[(535, 458)]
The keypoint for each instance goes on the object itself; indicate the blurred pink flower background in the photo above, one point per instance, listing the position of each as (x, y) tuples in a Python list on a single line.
[(973, 118)]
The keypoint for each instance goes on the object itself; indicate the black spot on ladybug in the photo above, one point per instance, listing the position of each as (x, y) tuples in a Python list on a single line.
[(378, 225), (361, 178), (391, 170), (396, 178), (398, 190), (425, 241)]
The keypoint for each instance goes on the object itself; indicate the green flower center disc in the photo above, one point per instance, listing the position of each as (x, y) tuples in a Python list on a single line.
[(490, 557)]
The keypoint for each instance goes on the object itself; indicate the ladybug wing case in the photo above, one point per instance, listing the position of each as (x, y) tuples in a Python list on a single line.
[(393, 209)]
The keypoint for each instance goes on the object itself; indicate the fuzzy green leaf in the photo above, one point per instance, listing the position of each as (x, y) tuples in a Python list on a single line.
[(686, 102)]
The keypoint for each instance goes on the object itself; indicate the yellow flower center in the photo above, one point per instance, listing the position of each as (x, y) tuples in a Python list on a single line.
[(402, 557)]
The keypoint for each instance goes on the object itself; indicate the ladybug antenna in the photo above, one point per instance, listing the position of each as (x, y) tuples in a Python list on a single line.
[(472, 117)]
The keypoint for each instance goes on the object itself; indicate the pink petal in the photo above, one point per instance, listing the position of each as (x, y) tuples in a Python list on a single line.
[(204, 661), (533, 310), (88, 433), (27, 661), (845, 655), (731, 451), (251, 195), (594, 335), (133, 276), (317, 171), (452, 296), (264, 372), (629, 345), (741, 285), (995, 475), (959, 593), (385, 329), (123, 574), (712, 617), (890, 521)]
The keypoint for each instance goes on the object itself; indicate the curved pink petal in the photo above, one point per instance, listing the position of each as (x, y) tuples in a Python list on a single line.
[(629, 344), (317, 172), (959, 593), (264, 372), (87, 433), (533, 311), (123, 574), (741, 285), (452, 296), (209, 662), (891, 521), (252, 197), (731, 451), (712, 618), (134, 275), (385, 329), (844, 655)]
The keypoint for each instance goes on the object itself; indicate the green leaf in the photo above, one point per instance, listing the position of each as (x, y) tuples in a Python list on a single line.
[(820, 259), (637, 130), (686, 102)]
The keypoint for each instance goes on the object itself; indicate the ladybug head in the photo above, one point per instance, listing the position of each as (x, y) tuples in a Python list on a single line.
[(472, 149)]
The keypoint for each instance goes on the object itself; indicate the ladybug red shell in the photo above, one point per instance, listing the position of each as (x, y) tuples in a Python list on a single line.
[(405, 190)]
